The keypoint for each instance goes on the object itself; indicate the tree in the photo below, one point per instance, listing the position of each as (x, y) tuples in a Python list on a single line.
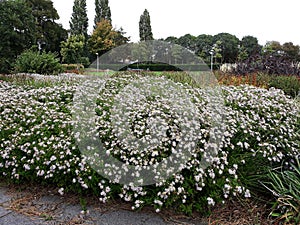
[(176, 51), (79, 20), (171, 39), (105, 37), (188, 41), (249, 45), (243, 54), (272, 47), (141, 52), (145, 27), (121, 38), (72, 50), (292, 51), (49, 34), (229, 47), (17, 31), (204, 44), (54, 34), (102, 11), (216, 50)]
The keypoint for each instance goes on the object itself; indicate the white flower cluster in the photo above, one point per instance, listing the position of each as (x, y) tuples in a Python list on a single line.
[(227, 67), (146, 127), (255, 119), (268, 119), (37, 140), (35, 134)]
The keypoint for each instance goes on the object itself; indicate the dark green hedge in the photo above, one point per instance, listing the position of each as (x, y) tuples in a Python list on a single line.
[(156, 67)]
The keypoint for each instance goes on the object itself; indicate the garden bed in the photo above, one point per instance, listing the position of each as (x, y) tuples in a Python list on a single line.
[(260, 131)]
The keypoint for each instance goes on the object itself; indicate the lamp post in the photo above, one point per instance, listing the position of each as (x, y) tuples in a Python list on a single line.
[(97, 63), (211, 60)]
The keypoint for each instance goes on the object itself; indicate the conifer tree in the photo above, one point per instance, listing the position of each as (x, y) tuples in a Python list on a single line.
[(102, 11), (145, 27), (79, 19)]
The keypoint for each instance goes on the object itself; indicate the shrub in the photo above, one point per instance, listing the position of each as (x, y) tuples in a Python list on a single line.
[(289, 84), (5, 64), (272, 64), (73, 68), (34, 62), (261, 128), (152, 66), (85, 61)]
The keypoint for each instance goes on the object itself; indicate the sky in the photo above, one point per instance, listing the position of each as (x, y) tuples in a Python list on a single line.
[(267, 20)]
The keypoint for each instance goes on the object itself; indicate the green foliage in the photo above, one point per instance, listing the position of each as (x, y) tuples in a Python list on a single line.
[(291, 50), (284, 184), (102, 11), (287, 50), (145, 27), (17, 32), (271, 47), (48, 33), (242, 53), (229, 47), (153, 66), (250, 45), (79, 20), (217, 50), (34, 62), (72, 50), (85, 61), (289, 84), (73, 68), (105, 37), (188, 41), (204, 44), (38, 141)]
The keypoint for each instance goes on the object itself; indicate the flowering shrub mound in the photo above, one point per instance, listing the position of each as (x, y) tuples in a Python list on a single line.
[(37, 141), (31, 61)]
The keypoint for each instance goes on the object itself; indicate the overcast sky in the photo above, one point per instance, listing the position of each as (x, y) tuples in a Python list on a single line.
[(265, 19)]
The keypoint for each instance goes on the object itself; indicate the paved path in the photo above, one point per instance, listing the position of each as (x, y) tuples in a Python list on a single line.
[(19, 208)]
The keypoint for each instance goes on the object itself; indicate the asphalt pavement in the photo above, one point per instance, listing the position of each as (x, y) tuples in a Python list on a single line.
[(21, 207)]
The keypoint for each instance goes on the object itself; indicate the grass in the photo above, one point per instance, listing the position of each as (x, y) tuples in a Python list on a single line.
[(284, 183)]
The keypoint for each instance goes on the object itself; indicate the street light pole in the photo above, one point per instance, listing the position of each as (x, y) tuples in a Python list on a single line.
[(97, 62), (211, 60)]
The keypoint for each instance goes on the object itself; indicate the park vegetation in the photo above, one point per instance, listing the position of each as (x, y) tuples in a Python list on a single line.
[(259, 143)]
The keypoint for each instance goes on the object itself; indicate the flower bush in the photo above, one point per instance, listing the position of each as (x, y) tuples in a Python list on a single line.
[(37, 141)]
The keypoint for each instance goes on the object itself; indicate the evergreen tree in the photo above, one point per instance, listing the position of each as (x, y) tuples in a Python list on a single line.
[(145, 27), (250, 45), (79, 19), (102, 11), (17, 31), (48, 33)]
